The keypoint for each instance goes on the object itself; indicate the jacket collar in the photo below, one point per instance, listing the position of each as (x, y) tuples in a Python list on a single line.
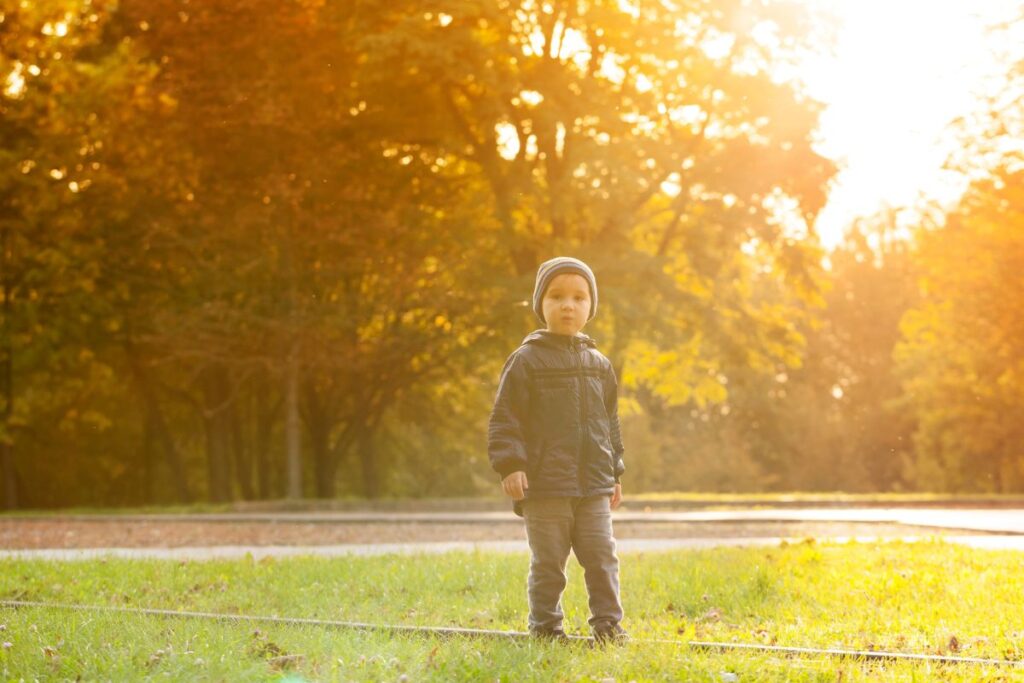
[(559, 341)]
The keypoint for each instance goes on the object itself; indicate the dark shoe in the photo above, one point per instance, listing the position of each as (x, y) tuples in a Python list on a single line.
[(555, 634), (610, 633)]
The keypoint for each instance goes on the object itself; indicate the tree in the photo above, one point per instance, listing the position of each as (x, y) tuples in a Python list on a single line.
[(961, 359), (66, 92), (328, 215), (315, 258), (654, 141)]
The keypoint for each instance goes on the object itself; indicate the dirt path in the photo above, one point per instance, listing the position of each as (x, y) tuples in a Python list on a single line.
[(16, 534)]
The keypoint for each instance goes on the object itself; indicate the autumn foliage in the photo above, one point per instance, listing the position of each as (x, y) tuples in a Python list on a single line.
[(253, 249)]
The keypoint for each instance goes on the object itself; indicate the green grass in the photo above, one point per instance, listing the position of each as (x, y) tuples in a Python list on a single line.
[(908, 597)]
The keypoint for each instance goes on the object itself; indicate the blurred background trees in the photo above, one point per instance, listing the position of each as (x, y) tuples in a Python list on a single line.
[(254, 249), (962, 354)]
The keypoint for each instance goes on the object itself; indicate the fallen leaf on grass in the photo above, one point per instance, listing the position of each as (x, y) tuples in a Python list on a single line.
[(713, 614), (285, 661), (265, 648), (954, 644)]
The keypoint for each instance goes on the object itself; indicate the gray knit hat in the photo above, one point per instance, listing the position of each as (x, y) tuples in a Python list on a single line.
[(556, 266)]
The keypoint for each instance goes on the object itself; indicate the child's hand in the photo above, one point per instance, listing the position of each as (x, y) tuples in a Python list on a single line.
[(514, 485), (616, 496)]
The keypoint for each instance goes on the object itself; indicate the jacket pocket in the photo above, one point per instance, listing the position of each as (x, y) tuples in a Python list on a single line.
[(607, 462)]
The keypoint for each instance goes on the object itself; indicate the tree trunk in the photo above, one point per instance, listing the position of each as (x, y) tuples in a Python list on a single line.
[(292, 425), (319, 443), (6, 448), (319, 436), (503, 186), (8, 473), (216, 398), (371, 483), (10, 487), (155, 419), (148, 444), (263, 428), (175, 464), (242, 456)]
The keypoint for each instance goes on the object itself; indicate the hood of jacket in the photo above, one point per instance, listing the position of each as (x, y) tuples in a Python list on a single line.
[(559, 341)]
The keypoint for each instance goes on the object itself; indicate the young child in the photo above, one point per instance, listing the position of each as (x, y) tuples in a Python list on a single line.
[(554, 439)]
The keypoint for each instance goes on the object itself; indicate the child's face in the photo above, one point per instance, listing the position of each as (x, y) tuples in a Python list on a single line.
[(566, 303)]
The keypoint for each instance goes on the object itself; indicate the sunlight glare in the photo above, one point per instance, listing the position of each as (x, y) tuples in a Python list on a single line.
[(60, 29), (508, 140), (14, 87), (902, 70)]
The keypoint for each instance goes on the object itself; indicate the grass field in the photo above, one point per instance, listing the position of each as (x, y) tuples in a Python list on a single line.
[(928, 597)]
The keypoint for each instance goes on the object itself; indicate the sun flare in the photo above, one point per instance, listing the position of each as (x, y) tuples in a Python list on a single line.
[(900, 72)]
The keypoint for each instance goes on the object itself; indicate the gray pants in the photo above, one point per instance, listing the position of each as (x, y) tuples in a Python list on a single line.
[(553, 527)]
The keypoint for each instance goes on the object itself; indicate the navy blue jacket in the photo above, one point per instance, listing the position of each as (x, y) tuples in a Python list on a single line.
[(556, 418)]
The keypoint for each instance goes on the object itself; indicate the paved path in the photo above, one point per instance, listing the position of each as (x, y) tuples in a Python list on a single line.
[(1003, 521), (1004, 529)]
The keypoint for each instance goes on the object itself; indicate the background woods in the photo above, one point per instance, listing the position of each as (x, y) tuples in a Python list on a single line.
[(255, 249)]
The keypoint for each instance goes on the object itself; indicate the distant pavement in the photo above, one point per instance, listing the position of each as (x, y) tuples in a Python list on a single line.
[(987, 527), (988, 520)]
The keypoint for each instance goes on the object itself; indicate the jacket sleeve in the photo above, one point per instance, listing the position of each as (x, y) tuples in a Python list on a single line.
[(611, 404), (506, 432)]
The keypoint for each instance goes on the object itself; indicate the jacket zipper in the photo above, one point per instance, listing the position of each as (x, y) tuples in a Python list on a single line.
[(583, 419)]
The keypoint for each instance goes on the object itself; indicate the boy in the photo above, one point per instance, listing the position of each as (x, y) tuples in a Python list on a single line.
[(554, 439)]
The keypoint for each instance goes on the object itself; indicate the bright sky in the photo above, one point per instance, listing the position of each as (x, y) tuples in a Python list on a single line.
[(902, 70)]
